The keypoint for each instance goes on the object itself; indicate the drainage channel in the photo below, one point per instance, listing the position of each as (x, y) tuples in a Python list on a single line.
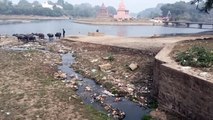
[(132, 110)]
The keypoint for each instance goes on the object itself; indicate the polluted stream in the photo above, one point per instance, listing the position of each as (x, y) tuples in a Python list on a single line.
[(94, 94), (101, 99)]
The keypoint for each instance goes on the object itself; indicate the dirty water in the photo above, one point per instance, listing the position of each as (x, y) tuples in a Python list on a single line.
[(132, 110)]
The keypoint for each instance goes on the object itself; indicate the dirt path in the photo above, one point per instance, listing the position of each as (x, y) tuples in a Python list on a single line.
[(135, 43)]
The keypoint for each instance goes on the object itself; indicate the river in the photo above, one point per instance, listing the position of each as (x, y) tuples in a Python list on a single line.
[(53, 26)]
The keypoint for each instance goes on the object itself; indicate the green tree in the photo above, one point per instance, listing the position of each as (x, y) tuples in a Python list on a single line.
[(205, 6), (24, 4), (60, 2), (111, 10)]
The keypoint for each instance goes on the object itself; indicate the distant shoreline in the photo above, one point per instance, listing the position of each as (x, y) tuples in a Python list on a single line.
[(110, 22), (15, 19), (31, 17)]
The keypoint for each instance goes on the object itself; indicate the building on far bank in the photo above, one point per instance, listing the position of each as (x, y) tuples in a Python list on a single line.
[(50, 6), (103, 12), (122, 13)]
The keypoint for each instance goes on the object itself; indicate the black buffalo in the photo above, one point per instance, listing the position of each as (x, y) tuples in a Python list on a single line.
[(50, 36), (58, 35), (25, 37), (40, 35)]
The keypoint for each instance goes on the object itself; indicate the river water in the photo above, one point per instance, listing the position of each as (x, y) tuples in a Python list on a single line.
[(53, 26)]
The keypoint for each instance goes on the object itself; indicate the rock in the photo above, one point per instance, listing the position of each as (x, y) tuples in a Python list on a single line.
[(118, 99), (7, 113), (107, 108), (133, 66), (73, 87), (108, 93), (73, 82), (75, 96), (204, 74), (60, 75), (95, 60), (105, 67), (186, 68), (94, 70), (101, 98), (87, 88), (118, 114), (62, 51), (58, 63), (130, 90)]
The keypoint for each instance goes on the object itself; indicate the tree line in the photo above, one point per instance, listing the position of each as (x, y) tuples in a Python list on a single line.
[(196, 10), (35, 8)]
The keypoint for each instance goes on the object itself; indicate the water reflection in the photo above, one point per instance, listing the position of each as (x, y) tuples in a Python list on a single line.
[(122, 31)]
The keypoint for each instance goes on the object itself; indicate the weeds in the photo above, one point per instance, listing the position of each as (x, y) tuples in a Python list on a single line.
[(196, 57), (147, 117)]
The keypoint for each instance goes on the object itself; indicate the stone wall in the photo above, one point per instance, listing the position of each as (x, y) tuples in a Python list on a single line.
[(181, 92)]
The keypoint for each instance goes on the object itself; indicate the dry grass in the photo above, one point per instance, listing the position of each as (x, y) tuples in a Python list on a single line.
[(28, 90)]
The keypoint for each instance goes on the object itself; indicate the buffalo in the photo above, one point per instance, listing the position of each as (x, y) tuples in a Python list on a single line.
[(25, 37), (50, 36), (40, 35), (58, 35)]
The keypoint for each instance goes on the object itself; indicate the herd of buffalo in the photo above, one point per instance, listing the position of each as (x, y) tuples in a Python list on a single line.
[(34, 36)]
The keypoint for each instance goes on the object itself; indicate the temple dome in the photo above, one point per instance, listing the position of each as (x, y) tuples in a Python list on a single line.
[(122, 6)]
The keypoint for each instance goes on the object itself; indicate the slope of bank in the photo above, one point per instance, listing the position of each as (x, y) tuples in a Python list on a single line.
[(113, 22)]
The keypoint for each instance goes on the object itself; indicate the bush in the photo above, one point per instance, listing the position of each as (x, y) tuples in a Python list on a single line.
[(196, 57), (147, 117)]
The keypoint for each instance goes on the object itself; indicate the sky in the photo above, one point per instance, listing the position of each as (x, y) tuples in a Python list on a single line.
[(134, 7)]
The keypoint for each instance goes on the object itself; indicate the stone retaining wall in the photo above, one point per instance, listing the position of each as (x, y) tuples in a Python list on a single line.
[(181, 92)]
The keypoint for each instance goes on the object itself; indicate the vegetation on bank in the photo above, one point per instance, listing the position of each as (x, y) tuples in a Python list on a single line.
[(23, 7), (185, 11), (196, 57)]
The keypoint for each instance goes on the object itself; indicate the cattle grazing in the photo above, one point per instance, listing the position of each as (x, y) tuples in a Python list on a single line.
[(25, 37), (58, 35), (50, 36), (40, 35)]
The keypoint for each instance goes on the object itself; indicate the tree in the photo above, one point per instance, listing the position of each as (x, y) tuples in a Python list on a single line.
[(60, 2), (111, 10), (24, 4), (205, 6)]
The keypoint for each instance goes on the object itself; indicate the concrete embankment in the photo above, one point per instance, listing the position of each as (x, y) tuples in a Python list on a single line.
[(185, 91)]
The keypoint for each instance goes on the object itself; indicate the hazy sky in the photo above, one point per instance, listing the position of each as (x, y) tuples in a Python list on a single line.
[(132, 5)]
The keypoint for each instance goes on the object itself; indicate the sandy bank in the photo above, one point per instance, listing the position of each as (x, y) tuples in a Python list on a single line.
[(135, 43), (112, 22)]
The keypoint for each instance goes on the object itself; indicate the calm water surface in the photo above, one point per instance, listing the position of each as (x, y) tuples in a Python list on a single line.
[(71, 28)]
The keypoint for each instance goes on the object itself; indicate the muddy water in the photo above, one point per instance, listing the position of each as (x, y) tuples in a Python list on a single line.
[(133, 110)]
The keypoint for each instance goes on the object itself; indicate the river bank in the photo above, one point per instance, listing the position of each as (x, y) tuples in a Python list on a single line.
[(116, 23), (14, 19)]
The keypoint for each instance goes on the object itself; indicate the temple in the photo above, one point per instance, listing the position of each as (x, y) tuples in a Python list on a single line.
[(122, 13), (103, 12)]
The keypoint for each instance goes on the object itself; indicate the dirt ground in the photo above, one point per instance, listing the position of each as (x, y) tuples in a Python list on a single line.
[(28, 89), (117, 77)]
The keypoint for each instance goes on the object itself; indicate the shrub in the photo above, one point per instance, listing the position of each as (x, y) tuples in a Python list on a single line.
[(196, 57), (147, 117)]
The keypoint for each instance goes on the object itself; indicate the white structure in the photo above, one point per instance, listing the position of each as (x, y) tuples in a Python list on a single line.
[(47, 5)]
